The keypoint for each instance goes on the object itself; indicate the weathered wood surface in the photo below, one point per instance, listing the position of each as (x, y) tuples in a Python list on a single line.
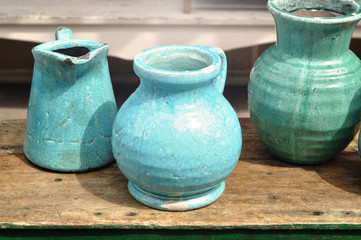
[(11, 136), (261, 193), (111, 12)]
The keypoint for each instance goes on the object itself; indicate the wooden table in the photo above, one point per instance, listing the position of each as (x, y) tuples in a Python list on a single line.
[(264, 199)]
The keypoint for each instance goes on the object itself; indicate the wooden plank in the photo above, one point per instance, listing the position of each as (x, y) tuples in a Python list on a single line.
[(262, 193), (11, 136), (187, 6)]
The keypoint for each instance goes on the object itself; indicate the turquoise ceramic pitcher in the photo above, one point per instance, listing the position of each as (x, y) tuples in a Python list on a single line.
[(304, 91), (71, 107), (177, 138)]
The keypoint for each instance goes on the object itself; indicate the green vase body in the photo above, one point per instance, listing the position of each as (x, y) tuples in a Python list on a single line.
[(304, 91)]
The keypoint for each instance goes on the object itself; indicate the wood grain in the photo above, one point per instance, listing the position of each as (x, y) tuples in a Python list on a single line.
[(12, 136), (262, 192)]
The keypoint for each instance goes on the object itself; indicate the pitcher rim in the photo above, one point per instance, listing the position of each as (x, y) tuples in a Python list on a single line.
[(163, 76), (354, 16), (48, 47)]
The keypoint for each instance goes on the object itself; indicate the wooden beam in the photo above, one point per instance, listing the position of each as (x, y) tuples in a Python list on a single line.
[(187, 8)]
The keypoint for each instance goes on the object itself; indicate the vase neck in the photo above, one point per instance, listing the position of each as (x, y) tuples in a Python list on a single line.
[(180, 68), (316, 41)]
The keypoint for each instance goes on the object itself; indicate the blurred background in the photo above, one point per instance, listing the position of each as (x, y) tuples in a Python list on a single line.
[(243, 28)]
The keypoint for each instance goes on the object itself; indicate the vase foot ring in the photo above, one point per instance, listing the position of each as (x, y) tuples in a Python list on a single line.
[(177, 204)]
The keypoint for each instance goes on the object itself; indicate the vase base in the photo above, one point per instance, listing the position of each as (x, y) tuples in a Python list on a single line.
[(301, 160), (176, 204)]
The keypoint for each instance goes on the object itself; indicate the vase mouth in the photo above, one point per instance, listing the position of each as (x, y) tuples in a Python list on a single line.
[(177, 64), (349, 10)]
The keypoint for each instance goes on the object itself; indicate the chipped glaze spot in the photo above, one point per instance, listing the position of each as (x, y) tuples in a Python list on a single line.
[(175, 206)]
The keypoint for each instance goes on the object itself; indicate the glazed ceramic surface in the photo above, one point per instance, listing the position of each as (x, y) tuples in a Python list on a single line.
[(304, 91), (71, 107), (177, 138)]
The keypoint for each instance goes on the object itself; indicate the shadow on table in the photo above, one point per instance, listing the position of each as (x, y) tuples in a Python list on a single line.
[(27, 162), (109, 184), (254, 150), (343, 172)]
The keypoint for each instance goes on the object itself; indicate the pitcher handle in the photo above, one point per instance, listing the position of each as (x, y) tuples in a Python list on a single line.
[(219, 81), (63, 33)]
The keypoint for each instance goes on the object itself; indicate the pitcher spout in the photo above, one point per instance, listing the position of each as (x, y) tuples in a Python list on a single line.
[(70, 53), (69, 60)]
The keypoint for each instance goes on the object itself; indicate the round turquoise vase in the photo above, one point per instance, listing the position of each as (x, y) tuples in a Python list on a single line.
[(177, 138), (71, 107), (304, 91)]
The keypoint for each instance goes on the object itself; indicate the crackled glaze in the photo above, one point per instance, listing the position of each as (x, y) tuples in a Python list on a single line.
[(177, 138), (304, 91), (71, 107)]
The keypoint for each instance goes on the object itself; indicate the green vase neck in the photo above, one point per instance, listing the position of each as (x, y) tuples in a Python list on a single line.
[(316, 41), (315, 38)]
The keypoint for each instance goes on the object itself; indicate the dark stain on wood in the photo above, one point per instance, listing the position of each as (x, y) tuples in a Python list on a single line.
[(131, 214)]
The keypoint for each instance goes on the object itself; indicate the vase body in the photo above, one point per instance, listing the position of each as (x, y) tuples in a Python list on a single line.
[(303, 92), (71, 107), (177, 138)]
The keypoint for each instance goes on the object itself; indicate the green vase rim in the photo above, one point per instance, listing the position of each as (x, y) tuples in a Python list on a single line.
[(275, 9)]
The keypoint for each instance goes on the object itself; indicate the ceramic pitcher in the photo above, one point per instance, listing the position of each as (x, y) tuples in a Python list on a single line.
[(177, 138), (304, 91), (71, 107)]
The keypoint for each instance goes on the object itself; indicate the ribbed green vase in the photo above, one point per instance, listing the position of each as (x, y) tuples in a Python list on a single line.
[(304, 92)]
